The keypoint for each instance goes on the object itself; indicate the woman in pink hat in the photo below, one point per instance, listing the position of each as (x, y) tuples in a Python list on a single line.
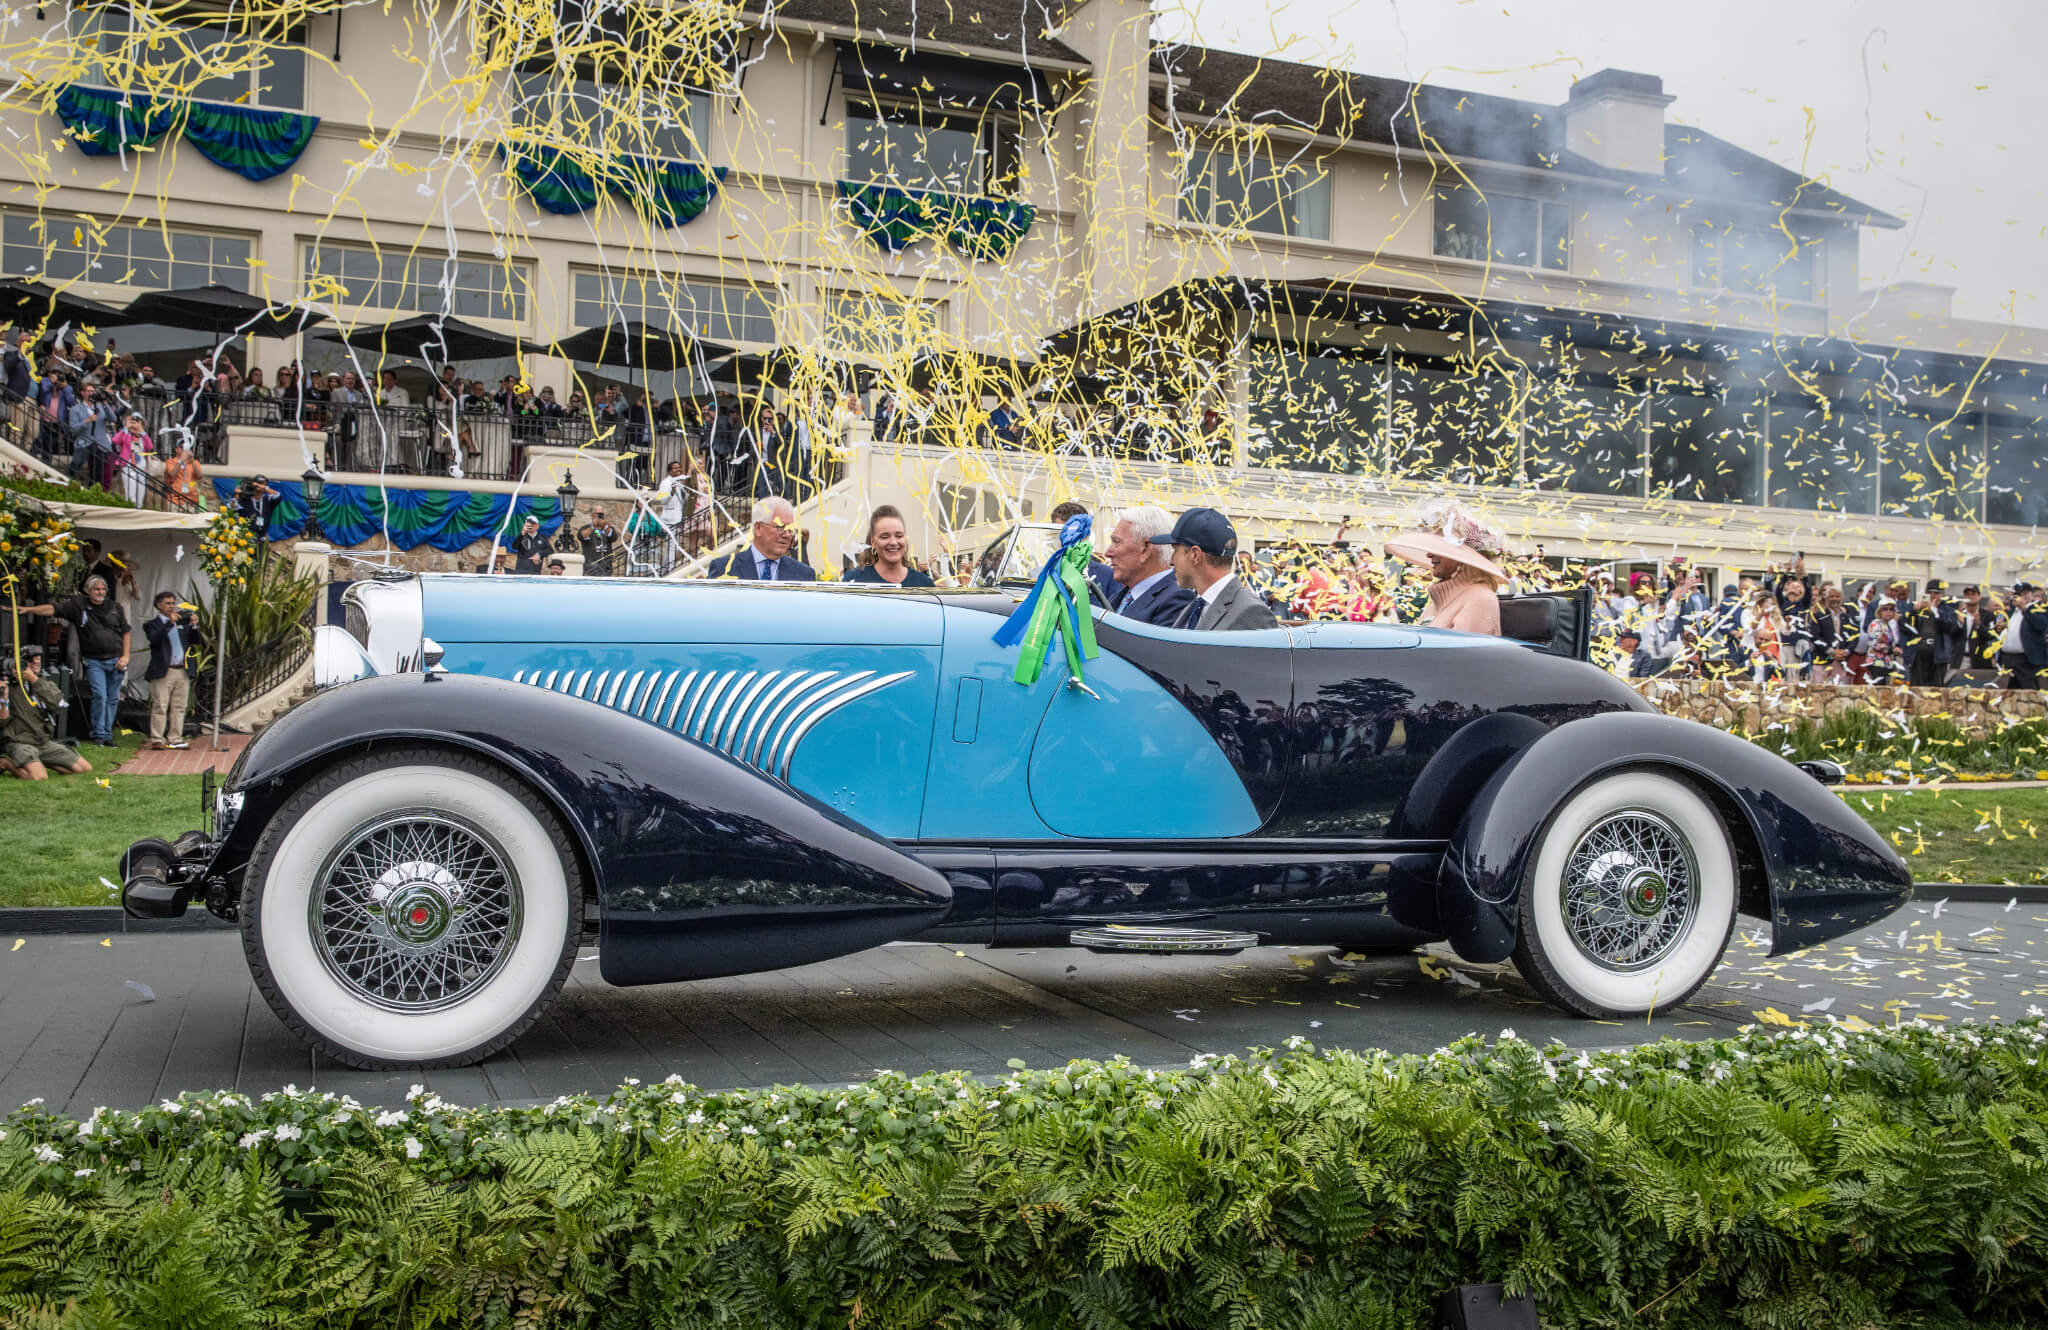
[(1465, 597)]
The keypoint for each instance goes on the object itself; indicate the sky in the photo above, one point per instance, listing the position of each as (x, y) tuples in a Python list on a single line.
[(1929, 112)]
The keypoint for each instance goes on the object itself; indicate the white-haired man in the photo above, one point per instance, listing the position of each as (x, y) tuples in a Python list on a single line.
[(1144, 568), (767, 559)]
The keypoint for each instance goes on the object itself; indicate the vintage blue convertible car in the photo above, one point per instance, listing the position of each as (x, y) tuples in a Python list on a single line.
[(718, 778)]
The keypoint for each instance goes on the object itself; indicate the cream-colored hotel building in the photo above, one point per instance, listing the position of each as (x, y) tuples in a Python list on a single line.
[(1622, 337)]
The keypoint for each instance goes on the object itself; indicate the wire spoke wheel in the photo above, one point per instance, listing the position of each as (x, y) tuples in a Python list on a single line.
[(1631, 890), (415, 910)]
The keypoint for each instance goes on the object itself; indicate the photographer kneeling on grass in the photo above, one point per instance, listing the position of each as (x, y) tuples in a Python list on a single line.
[(28, 744)]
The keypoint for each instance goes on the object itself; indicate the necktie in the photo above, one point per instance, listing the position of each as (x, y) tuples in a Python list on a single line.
[(766, 568), (1192, 615)]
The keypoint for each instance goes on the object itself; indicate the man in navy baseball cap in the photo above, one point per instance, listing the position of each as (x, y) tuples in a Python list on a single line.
[(1205, 562)]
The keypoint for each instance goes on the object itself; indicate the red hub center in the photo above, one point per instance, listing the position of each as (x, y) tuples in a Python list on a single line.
[(419, 916)]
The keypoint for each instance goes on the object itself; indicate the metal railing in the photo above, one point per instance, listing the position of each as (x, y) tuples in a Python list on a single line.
[(56, 445)]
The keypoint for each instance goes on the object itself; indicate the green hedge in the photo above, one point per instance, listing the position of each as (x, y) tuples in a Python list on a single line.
[(1874, 745), (22, 481), (1784, 1177)]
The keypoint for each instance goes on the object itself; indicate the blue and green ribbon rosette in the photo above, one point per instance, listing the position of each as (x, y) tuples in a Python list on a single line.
[(1055, 614)]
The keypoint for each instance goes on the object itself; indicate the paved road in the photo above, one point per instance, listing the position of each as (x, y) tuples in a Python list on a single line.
[(121, 1021)]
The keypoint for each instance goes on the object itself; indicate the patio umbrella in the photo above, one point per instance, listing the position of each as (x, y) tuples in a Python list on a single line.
[(784, 367), (220, 311), (640, 346), (434, 338), (931, 368), (28, 300)]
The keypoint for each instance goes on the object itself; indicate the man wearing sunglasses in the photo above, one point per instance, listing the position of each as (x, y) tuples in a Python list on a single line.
[(768, 558)]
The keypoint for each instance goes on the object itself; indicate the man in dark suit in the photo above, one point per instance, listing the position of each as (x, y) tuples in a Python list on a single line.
[(1205, 562), (173, 633), (767, 559), (1153, 595), (2024, 650), (1934, 638)]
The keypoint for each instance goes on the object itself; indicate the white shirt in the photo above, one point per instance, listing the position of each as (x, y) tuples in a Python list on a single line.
[(764, 564), (1216, 589), (1140, 589), (670, 492), (396, 396), (2011, 641)]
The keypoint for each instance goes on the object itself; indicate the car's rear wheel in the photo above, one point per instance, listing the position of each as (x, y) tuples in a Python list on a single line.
[(416, 908), (1629, 897)]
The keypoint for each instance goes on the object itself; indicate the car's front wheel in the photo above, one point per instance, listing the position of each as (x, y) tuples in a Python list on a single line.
[(1629, 897), (415, 908)]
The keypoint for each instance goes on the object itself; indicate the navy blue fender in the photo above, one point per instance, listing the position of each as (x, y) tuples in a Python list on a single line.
[(1808, 863), (702, 866)]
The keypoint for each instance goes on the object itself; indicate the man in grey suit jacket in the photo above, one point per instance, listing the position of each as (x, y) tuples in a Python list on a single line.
[(1204, 561)]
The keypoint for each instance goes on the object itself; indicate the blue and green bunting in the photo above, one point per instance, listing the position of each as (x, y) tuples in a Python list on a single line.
[(672, 192), (253, 143), (445, 520), (976, 227)]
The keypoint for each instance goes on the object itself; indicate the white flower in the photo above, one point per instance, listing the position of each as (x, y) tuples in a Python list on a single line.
[(81, 1172), (48, 1154), (748, 1130), (413, 1148), (416, 1091), (289, 1132), (393, 1118), (696, 1116), (1508, 1033), (251, 1139)]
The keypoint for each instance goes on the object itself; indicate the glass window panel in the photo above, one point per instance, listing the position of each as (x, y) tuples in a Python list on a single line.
[(1323, 411), (1557, 237), (1584, 437), (1706, 258), (64, 264), (189, 248), (2016, 446), (1452, 422), (1822, 461), (284, 80), (154, 274), (146, 242), (933, 154), (1707, 447), (1466, 219), (1933, 467)]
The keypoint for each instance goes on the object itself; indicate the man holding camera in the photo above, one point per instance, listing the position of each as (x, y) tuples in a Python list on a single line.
[(173, 634), (28, 708)]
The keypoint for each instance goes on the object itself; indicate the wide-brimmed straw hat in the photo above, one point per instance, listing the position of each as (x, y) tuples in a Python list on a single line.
[(1417, 546)]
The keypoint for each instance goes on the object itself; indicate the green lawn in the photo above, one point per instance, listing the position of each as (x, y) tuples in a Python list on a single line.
[(1963, 834), (66, 833)]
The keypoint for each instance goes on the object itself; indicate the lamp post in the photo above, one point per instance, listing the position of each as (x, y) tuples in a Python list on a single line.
[(566, 492), (315, 484)]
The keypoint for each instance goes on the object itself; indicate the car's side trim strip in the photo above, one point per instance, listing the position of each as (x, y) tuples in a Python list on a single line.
[(797, 703), (703, 720), (650, 705), (704, 685), (611, 699), (819, 713), (728, 727), (766, 709), (683, 689)]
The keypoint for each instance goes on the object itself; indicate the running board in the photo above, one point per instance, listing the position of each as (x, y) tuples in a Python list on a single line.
[(1129, 937)]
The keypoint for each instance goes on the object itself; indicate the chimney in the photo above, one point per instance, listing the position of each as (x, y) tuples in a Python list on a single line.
[(1616, 119)]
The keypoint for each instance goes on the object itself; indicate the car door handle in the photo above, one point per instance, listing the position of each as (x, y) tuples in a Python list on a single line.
[(1073, 682)]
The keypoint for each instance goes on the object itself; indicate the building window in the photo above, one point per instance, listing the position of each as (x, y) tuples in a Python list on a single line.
[(917, 148), (1823, 459), (120, 52), (1237, 188), (1320, 410), (62, 249), (1502, 228), (606, 119), (2016, 447), (396, 279), (720, 311), (876, 326), (1758, 260), (1707, 445)]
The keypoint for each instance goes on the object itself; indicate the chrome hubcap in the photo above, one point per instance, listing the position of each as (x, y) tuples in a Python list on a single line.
[(1631, 890), (415, 911)]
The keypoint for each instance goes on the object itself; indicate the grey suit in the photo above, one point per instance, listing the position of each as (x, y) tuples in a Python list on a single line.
[(1237, 609)]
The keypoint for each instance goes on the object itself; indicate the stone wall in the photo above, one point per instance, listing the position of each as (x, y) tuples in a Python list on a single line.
[(1740, 704)]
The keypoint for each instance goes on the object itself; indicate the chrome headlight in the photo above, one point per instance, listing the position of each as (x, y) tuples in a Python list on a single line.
[(338, 658), (226, 808)]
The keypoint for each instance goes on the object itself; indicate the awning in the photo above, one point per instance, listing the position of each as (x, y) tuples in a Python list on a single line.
[(89, 517), (944, 82)]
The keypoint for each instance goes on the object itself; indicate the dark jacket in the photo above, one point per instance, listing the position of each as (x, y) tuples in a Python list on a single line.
[(529, 553), (1105, 582), (99, 626), (1164, 602), (158, 631), (2034, 634), (20, 375), (745, 566), (1938, 631), (867, 576)]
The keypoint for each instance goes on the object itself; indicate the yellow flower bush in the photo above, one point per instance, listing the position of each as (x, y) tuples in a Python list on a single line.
[(227, 552), (35, 544)]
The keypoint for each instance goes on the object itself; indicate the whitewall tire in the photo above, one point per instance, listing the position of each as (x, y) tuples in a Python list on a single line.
[(414, 908), (1629, 897)]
